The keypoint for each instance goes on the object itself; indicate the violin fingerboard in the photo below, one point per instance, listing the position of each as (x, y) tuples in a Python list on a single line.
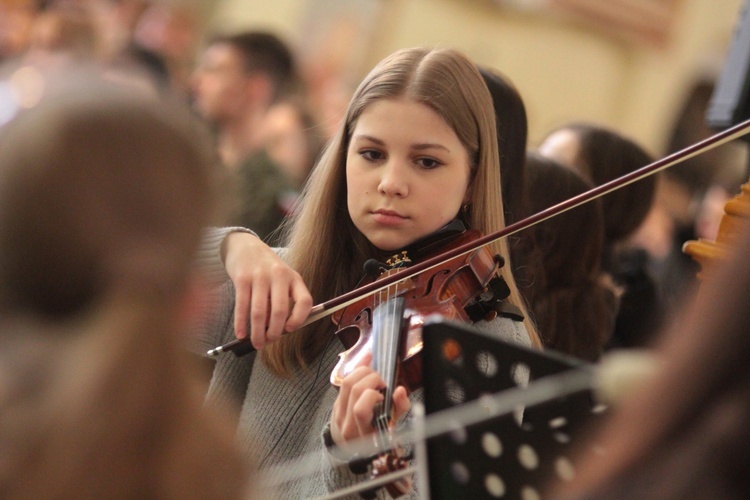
[(387, 326)]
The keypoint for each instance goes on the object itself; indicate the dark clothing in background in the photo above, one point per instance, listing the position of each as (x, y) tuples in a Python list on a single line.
[(262, 196), (641, 312)]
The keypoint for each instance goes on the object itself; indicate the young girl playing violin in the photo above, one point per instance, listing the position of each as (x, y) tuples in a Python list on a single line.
[(417, 149)]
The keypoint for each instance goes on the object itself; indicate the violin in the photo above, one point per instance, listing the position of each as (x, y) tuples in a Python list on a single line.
[(373, 323), (388, 325)]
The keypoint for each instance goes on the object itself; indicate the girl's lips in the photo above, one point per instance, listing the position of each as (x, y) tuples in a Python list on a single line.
[(388, 218)]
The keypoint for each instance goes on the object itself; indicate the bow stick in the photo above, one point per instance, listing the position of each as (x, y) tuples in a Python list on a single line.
[(327, 308)]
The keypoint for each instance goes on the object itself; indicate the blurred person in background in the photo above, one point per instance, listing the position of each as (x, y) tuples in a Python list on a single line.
[(690, 197), (238, 80), (16, 18), (293, 139), (574, 302), (63, 32), (599, 155), (683, 433), (170, 30), (512, 135)]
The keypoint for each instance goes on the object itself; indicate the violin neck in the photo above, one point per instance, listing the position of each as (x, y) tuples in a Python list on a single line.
[(387, 326)]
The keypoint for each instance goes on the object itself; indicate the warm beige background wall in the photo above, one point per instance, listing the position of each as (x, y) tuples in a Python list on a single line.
[(564, 69)]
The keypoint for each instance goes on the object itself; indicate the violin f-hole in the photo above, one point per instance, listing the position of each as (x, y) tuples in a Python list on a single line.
[(431, 283)]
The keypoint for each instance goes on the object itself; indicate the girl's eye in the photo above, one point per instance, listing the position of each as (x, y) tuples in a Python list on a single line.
[(371, 155), (429, 163)]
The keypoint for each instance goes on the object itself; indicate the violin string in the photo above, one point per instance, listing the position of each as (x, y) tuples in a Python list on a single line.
[(385, 334), (379, 362), (382, 334), (448, 420), (389, 341), (304, 398)]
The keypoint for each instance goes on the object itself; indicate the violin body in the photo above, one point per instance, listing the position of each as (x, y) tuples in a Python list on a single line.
[(736, 214), (445, 290)]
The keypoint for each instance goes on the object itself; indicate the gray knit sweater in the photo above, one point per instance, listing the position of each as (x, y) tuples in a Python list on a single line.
[(283, 419)]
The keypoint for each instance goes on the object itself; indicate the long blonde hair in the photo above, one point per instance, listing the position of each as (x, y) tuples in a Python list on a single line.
[(324, 245)]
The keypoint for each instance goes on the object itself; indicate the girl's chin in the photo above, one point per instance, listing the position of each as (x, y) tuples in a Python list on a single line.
[(387, 242), (390, 247), (390, 243)]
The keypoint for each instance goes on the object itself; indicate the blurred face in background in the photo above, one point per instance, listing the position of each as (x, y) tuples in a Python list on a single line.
[(562, 146), (220, 84), (16, 18), (286, 140)]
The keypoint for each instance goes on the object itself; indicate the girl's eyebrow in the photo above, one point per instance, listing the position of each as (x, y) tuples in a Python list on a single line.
[(368, 138), (419, 147)]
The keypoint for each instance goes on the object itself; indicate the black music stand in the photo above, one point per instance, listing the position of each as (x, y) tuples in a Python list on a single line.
[(499, 458)]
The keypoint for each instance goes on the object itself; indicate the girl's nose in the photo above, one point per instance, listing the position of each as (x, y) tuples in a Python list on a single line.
[(394, 179)]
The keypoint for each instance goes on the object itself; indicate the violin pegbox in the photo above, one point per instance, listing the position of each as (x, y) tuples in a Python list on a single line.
[(398, 260)]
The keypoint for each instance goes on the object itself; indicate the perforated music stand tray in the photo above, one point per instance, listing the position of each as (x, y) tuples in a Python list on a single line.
[(509, 456)]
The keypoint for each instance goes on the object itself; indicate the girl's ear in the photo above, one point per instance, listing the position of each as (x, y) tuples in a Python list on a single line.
[(469, 195)]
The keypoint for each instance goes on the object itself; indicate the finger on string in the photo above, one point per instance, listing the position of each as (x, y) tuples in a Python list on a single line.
[(401, 403), (358, 380), (355, 384), (348, 384), (363, 411), (349, 392), (365, 378), (341, 416), (364, 394)]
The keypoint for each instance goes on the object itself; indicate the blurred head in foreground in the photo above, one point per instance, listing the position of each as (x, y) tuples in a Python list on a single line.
[(103, 194)]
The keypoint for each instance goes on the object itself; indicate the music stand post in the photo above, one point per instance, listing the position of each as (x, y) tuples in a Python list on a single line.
[(511, 456)]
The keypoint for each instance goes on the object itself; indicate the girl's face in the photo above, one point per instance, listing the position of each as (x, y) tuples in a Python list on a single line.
[(407, 173)]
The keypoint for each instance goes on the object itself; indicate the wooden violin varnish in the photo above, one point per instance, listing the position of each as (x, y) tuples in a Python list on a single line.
[(736, 216)]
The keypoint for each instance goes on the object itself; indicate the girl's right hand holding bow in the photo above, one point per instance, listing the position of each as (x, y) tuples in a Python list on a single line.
[(267, 290)]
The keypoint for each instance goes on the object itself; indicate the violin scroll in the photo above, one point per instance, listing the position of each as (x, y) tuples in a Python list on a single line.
[(386, 463)]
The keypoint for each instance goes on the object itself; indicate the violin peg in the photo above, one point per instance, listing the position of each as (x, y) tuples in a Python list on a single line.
[(397, 259)]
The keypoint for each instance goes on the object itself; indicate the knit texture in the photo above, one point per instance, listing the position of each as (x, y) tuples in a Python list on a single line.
[(278, 420)]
